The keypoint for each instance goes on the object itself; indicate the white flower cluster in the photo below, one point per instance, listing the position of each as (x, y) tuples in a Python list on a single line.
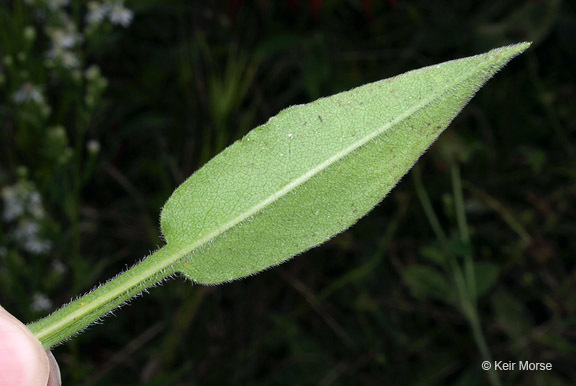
[(114, 11), (20, 199), (56, 4), (64, 39), (63, 32), (28, 92), (23, 207)]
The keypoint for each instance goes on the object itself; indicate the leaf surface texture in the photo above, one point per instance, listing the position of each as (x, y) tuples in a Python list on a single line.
[(313, 170)]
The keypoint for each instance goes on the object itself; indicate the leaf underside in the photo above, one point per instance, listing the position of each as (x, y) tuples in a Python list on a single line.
[(313, 170)]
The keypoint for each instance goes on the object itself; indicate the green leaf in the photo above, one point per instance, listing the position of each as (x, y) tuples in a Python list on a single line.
[(486, 275), (309, 173), (511, 314), (427, 282), (313, 170)]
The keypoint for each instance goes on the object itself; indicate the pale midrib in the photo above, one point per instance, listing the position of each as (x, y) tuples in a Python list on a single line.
[(114, 293), (318, 169)]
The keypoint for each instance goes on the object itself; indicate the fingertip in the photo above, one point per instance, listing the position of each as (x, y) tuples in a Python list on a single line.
[(23, 361), (54, 379)]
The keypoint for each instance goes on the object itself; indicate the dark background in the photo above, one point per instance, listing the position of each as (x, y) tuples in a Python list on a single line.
[(375, 305)]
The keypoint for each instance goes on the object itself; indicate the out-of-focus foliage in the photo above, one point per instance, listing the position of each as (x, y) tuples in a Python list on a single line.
[(106, 106)]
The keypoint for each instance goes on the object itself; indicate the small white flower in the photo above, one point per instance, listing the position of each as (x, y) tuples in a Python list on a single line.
[(69, 60), (26, 230), (16, 201), (20, 199), (67, 40), (35, 199), (64, 38), (36, 246), (92, 72), (93, 146), (13, 204), (58, 267), (97, 12), (56, 4), (120, 15), (63, 57), (40, 302), (35, 205), (28, 93), (26, 235), (23, 203)]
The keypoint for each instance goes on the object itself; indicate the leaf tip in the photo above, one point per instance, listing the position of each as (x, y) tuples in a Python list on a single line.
[(498, 57), (522, 46), (517, 49)]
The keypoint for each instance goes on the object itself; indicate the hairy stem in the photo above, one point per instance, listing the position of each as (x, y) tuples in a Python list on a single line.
[(79, 314)]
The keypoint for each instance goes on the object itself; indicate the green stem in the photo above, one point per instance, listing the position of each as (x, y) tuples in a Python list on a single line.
[(459, 202), (474, 321), (463, 231), (465, 282), (427, 205), (469, 297), (79, 314)]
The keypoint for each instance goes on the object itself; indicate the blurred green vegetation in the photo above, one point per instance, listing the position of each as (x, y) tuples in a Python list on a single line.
[(105, 107)]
